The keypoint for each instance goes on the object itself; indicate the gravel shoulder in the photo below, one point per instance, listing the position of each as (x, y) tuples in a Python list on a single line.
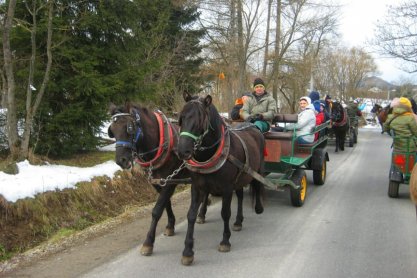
[(96, 245)]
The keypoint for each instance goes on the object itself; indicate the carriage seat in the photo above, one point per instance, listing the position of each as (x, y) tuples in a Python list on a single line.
[(274, 135), (285, 118)]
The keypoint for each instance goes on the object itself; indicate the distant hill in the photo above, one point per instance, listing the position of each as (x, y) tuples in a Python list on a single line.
[(374, 81)]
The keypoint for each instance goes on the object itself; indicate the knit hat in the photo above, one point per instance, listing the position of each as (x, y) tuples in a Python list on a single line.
[(306, 99), (316, 105), (258, 81), (327, 97), (314, 96), (405, 101)]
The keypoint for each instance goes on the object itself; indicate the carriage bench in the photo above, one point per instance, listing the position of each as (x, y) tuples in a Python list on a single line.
[(279, 143)]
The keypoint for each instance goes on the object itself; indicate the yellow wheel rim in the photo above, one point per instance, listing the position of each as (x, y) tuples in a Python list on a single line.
[(303, 188), (323, 171)]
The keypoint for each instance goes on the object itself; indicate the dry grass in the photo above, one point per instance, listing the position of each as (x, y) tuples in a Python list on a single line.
[(28, 222)]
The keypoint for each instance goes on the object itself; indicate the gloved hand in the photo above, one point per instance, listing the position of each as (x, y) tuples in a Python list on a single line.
[(250, 119), (259, 117)]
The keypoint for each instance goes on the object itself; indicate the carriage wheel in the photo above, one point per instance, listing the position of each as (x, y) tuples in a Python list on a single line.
[(393, 189), (319, 176), (351, 136), (298, 195), (355, 136)]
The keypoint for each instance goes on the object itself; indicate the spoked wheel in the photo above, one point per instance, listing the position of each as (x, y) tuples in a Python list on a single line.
[(298, 195), (355, 136), (393, 189), (319, 176)]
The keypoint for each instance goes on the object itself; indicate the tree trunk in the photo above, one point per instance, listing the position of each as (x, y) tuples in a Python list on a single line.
[(12, 133), (277, 57), (31, 110), (268, 20), (241, 50)]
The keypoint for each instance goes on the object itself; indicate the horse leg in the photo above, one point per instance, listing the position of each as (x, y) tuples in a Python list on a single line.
[(342, 142), (237, 226), (257, 193), (170, 227), (188, 253), (201, 217), (163, 199), (224, 245)]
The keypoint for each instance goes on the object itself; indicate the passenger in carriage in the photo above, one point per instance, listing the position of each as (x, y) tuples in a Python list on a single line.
[(260, 107), (354, 112), (403, 123), (327, 107), (319, 110), (306, 122), (235, 113)]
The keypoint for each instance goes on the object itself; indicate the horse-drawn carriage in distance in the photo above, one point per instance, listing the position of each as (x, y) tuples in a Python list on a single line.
[(403, 159)]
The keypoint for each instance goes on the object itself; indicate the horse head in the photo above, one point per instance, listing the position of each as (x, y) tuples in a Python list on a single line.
[(376, 108), (337, 112), (197, 121), (127, 128)]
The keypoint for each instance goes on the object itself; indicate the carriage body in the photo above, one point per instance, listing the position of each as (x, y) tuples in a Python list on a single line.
[(403, 159), (286, 160)]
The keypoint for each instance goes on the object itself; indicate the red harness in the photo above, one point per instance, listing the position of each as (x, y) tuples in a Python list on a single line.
[(163, 153), (343, 121), (213, 163)]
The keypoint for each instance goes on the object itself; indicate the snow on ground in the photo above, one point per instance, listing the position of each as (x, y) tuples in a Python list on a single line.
[(34, 179)]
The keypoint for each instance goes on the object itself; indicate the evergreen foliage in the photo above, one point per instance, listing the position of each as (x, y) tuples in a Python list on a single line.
[(103, 52)]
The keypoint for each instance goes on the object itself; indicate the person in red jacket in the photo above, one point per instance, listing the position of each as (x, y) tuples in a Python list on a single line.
[(319, 110)]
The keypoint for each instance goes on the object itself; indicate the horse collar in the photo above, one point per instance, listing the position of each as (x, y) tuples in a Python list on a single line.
[(166, 143), (216, 161)]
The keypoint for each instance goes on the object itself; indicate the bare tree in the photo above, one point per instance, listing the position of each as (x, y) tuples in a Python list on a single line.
[(13, 137), (396, 34), (341, 71), (19, 149)]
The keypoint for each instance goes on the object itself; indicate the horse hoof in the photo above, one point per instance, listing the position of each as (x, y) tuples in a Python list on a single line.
[(224, 248), (201, 220), (146, 250), (259, 210), (169, 232), (187, 260), (237, 227)]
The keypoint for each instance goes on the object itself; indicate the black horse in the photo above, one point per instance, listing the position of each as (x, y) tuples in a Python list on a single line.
[(149, 138), (381, 113), (218, 159), (340, 124)]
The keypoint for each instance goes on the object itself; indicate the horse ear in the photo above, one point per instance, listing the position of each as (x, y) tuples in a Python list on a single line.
[(187, 97), (208, 100), (112, 108)]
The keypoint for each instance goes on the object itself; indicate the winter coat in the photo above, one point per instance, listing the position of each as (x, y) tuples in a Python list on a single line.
[(235, 113), (353, 112), (319, 121), (305, 124), (404, 125), (264, 105)]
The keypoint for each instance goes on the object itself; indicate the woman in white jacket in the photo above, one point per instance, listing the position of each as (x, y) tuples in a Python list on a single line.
[(306, 122)]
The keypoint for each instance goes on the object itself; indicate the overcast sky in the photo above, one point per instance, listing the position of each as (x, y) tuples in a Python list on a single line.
[(357, 27)]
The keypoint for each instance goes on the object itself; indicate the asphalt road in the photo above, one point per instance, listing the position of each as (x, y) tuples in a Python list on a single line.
[(348, 227)]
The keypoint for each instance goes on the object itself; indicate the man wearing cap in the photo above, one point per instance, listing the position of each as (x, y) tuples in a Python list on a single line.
[(235, 113), (327, 107), (404, 125), (353, 112), (260, 107), (306, 122)]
